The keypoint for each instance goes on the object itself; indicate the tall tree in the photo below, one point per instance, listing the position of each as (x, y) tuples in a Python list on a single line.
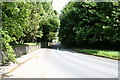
[(92, 23)]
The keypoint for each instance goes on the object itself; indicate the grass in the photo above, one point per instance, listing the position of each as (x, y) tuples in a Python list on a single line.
[(102, 53)]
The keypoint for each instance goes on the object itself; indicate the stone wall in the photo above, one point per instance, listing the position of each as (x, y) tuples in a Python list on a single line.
[(24, 49), (20, 50)]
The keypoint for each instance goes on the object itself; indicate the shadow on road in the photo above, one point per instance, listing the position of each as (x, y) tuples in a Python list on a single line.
[(60, 47)]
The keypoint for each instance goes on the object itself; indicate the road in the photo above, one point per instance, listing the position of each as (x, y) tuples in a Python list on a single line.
[(57, 62)]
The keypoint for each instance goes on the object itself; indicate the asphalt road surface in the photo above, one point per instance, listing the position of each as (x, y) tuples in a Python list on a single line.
[(57, 62)]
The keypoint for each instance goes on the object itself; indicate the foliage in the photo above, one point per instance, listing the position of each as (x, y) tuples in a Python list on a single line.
[(26, 22), (7, 49), (52, 35), (13, 19), (50, 22), (93, 22)]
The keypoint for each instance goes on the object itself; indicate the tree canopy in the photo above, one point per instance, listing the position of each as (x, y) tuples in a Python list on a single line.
[(90, 22), (27, 22)]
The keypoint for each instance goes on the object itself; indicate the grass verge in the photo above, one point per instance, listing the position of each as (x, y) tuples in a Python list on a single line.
[(102, 53)]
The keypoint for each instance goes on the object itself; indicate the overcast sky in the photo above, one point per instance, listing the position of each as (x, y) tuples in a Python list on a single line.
[(59, 4)]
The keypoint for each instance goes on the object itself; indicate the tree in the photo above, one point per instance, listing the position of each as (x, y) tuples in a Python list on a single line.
[(26, 22), (92, 23), (50, 21)]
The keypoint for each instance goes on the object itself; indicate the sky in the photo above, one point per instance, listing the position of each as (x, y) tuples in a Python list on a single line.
[(59, 4)]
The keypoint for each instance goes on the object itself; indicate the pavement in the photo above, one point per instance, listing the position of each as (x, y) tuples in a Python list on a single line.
[(58, 62)]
